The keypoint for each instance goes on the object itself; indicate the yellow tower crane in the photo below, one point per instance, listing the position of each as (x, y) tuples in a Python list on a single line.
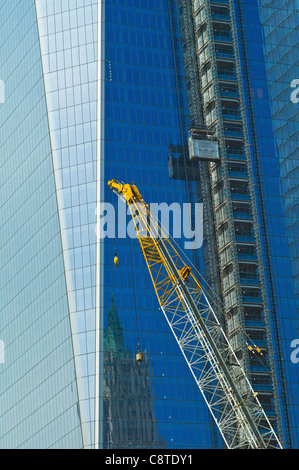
[(219, 375)]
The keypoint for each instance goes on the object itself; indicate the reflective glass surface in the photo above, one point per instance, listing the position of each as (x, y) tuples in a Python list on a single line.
[(164, 406), (271, 47), (38, 388), (68, 40), (92, 94)]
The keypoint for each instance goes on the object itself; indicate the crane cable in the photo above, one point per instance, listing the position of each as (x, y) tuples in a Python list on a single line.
[(139, 355)]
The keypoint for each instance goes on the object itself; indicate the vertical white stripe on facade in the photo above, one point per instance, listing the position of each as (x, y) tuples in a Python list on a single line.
[(98, 438)]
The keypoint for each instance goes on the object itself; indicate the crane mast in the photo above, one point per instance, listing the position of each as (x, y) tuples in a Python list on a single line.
[(218, 373)]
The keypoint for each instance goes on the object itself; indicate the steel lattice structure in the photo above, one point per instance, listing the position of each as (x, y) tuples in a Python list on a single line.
[(226, 389)]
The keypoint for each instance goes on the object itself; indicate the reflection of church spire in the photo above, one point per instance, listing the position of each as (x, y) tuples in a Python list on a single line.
[(113, 336), (128, 393)]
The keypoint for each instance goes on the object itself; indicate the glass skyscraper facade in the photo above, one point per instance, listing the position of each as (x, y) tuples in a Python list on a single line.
[(271, 38), (39, 393), (99, 90)]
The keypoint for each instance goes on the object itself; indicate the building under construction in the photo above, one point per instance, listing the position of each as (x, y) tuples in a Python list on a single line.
[(173, 101)]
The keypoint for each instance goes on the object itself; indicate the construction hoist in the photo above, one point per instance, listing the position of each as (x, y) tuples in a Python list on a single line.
[(214, 365)]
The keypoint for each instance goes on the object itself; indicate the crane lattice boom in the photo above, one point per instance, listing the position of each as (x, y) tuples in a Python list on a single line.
[(225, 387)]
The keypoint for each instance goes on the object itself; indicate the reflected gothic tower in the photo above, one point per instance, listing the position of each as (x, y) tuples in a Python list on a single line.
[(128, 393)]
